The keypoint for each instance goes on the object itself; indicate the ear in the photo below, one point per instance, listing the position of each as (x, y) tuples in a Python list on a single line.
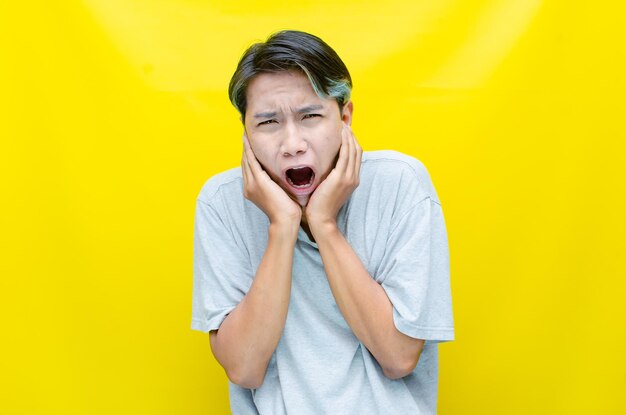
[(346, 116)]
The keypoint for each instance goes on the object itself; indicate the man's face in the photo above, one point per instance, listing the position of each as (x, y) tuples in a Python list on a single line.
[(294, 133)]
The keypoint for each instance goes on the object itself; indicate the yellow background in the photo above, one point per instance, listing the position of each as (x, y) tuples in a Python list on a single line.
[(115, 112)]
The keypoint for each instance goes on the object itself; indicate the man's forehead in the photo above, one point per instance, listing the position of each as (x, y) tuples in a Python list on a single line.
[(270, 112)]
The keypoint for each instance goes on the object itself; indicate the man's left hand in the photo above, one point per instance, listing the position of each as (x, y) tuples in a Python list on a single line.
[(334, 191)]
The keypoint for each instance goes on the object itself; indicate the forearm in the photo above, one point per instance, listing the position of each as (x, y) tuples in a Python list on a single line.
[(248, 336), (365, 305)]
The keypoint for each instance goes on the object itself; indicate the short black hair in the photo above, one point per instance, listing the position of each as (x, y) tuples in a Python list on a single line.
[(288, 50)]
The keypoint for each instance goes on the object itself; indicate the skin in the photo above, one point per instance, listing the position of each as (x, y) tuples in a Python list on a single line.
[(290, 138), (321, 138)]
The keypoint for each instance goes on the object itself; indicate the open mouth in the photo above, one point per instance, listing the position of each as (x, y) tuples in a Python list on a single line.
[(300, 177)]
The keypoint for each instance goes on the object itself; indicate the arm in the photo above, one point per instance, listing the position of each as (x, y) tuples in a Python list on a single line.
[(248, 336), (365, 305), (362, 301)]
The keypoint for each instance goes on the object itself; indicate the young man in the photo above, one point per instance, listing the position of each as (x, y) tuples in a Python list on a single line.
[(321, 272)]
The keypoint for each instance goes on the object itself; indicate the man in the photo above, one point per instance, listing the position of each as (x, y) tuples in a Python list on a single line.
[(321, 272)]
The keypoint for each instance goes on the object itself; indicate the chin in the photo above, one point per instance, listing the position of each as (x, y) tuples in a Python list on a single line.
[(302, 200)]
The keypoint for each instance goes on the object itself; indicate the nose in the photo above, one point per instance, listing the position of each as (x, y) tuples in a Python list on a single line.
[(293, 143)]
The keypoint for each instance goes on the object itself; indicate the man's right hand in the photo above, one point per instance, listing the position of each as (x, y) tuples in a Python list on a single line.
[(249, 335), (261, 190)]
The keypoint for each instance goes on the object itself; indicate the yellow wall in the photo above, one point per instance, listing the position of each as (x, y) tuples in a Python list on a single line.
[(115, 112)]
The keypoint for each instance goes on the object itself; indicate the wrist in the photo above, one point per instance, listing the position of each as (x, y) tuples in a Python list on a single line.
[(284, 230), (323, 228)]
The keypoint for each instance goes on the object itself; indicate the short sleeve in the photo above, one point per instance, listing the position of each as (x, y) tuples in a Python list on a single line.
[(221, 270), (415, 273)]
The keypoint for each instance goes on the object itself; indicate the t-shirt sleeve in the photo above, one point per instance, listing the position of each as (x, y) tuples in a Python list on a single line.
[(221, 269), (415, 273)]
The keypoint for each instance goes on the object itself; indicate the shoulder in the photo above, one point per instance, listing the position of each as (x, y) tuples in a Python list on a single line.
[(226, 185), (402, 172)]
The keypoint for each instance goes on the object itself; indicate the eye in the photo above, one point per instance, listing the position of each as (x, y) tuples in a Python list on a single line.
[(311, 115), (266, 122)]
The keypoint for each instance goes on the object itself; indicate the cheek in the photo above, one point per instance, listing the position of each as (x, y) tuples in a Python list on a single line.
[(334, 143), (265, 155), (261, 155), (331, 150)]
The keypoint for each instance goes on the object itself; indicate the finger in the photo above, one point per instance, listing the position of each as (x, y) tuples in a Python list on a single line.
[(359, 153), (352, 152), (359, 157), (343, 150), (253, 163), (245, 166), (356, 151)]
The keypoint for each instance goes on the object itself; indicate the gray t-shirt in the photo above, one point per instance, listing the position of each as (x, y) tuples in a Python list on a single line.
[(395, 224)]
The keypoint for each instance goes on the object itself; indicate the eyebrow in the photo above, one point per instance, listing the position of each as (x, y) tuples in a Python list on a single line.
[(302, 110), (269, 114), (309, 108)]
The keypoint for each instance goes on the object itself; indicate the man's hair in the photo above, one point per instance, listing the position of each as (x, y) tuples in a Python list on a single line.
[(288, 50)]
